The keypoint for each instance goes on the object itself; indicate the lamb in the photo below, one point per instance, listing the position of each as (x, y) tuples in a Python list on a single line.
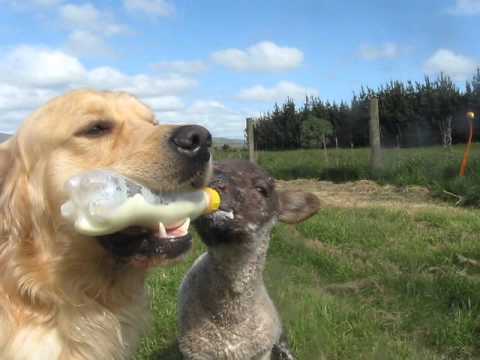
[(224, 310)]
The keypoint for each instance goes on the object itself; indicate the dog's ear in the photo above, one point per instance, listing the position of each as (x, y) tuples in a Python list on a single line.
[(14, 201), (297, 206), (6, 161)]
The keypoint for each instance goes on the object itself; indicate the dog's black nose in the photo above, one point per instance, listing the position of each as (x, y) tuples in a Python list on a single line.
[(191, 139)]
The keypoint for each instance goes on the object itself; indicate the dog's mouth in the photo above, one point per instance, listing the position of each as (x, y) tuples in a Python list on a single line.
[(147, 247)]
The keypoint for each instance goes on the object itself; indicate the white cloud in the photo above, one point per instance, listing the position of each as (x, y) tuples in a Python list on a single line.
[(386, 51), (140, 84), (279, 92), (9, 120), (164, 103), (14, 98), (264, 56), (88, 18), (27, 4), (79, 16), (106, 77), (208, 106), (214, 115), (30, 76), (40, 67), (17, 102), (465, 7), (88, 25), (181, 67), (46, 2), (86, 44), (150, 7), (458, 67), (145, 85)]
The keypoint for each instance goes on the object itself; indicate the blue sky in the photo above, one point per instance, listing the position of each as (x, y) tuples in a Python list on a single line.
[(217, 62)]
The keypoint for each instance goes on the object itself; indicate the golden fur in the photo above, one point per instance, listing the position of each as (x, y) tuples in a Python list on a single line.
[(62, 296)]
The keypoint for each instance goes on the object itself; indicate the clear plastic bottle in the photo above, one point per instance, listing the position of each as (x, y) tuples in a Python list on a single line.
[(103, 202)]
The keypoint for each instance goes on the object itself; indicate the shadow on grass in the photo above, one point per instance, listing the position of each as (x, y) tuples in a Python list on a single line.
[(295, 172), (170, 353), (335, 174), (340, 174)]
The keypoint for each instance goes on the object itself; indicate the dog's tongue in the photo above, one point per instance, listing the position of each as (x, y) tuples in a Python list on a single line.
[(169, 244), (175, 231)]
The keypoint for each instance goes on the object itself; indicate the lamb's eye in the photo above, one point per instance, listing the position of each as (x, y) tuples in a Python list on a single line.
[(262, 190), (97, 129)]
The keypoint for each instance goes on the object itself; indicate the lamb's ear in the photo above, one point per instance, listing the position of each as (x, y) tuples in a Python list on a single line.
[(297, 206)]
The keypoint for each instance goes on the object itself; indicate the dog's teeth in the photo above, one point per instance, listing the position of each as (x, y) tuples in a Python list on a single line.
[(162, 230), (185, 225), (229, 214)]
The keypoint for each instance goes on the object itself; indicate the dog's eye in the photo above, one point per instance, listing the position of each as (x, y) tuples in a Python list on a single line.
[(96, 129)]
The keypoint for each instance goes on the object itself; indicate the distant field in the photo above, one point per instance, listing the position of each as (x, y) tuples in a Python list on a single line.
[(433, 167), (232, 143), (3, 137)]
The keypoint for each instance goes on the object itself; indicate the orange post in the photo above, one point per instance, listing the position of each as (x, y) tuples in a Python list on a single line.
[(466, 154)]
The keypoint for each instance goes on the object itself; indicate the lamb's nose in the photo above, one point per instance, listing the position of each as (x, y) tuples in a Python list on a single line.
[(190, 139)]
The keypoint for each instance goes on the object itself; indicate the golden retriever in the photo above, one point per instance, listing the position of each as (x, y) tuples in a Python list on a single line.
[(68, 296)]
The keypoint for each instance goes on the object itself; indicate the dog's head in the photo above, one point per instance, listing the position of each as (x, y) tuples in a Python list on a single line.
[(86, 130)]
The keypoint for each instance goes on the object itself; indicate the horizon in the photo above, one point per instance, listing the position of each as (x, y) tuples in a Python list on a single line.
[(214, 64)]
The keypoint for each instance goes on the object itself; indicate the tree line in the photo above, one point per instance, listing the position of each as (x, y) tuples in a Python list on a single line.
[(428, 112)]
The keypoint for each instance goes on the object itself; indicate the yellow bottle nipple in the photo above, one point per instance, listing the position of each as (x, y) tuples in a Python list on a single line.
[(214, 200)]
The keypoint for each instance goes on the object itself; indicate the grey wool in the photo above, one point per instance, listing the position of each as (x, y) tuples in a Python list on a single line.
[(224, 310)]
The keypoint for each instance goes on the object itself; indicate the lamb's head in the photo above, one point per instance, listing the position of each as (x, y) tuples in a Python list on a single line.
[(250, 204)]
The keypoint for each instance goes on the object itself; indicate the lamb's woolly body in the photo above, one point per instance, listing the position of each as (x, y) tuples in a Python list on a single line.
[(225, 311)]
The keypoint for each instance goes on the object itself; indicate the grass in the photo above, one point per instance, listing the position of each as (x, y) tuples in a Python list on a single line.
[(433, 167), (361, 284), (364, 283)]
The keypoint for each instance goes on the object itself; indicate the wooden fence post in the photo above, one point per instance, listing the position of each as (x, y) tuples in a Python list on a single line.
[(376, 158), (251, 140)]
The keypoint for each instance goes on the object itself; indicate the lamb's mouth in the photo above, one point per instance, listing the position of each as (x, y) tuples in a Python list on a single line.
[(222, 216), (221, 220), (225, 215), (146, 247)]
